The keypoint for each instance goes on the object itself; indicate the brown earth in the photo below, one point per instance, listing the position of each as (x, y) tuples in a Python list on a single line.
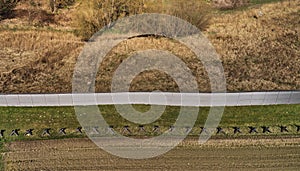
[(259, 48), (82, 154)]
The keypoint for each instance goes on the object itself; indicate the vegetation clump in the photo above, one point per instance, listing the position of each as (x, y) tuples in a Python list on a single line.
[(6, 8), (93, 15)]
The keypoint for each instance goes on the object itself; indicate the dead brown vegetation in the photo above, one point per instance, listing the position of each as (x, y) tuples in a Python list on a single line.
[(230, 4), (34, 59), (258, 47), (197, 12), (150, 80), (264, 43)]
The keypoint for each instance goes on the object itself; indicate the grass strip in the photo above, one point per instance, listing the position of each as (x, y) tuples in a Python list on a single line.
[(39, 118)]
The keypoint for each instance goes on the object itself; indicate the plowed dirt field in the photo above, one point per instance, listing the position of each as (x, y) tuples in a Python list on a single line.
[(82, 154)]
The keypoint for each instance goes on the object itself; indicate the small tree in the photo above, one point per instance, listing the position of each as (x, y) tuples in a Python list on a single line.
[(6, 7)]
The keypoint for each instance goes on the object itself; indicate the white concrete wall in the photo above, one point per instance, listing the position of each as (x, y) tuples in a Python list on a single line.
[(171, 99)]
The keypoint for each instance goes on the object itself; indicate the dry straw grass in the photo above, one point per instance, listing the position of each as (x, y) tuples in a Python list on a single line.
[(259, 48), (150, 80), (229, 4), (197, 12), (37, 61)]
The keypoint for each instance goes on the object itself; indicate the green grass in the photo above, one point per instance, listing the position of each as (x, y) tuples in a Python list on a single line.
[(58, 117), (273, 116), (242, 116), (262, 115), (37, 119)]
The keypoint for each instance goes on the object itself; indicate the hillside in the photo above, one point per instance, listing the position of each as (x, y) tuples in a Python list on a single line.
[(259, 46)]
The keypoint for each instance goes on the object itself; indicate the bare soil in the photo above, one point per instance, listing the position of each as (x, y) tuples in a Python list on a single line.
[(82, 154)]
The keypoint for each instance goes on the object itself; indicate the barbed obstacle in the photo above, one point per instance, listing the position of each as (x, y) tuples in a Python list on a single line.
[(154, 130), (188, 129), (266, 129), (171, 128), (2, 133), (204, 130), (110, 130), (236, 130), (252, 130), (283, 129), (46, 132), (142, 129), (15, 132), (63, 131), (29, 132), (95, 131), (126, 130), (220, 130), (298, 128), (79, 129)]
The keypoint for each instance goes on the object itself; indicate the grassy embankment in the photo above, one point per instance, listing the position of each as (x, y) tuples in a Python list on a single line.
[(59, 117)]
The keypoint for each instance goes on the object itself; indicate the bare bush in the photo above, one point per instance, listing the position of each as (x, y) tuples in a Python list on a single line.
[(95, 14)]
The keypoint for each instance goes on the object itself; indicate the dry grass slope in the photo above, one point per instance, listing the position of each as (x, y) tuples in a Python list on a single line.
[(37, 61), (259, 47)]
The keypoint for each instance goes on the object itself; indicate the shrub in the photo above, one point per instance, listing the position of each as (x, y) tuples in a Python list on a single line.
[(6, 7), (93, 15)]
